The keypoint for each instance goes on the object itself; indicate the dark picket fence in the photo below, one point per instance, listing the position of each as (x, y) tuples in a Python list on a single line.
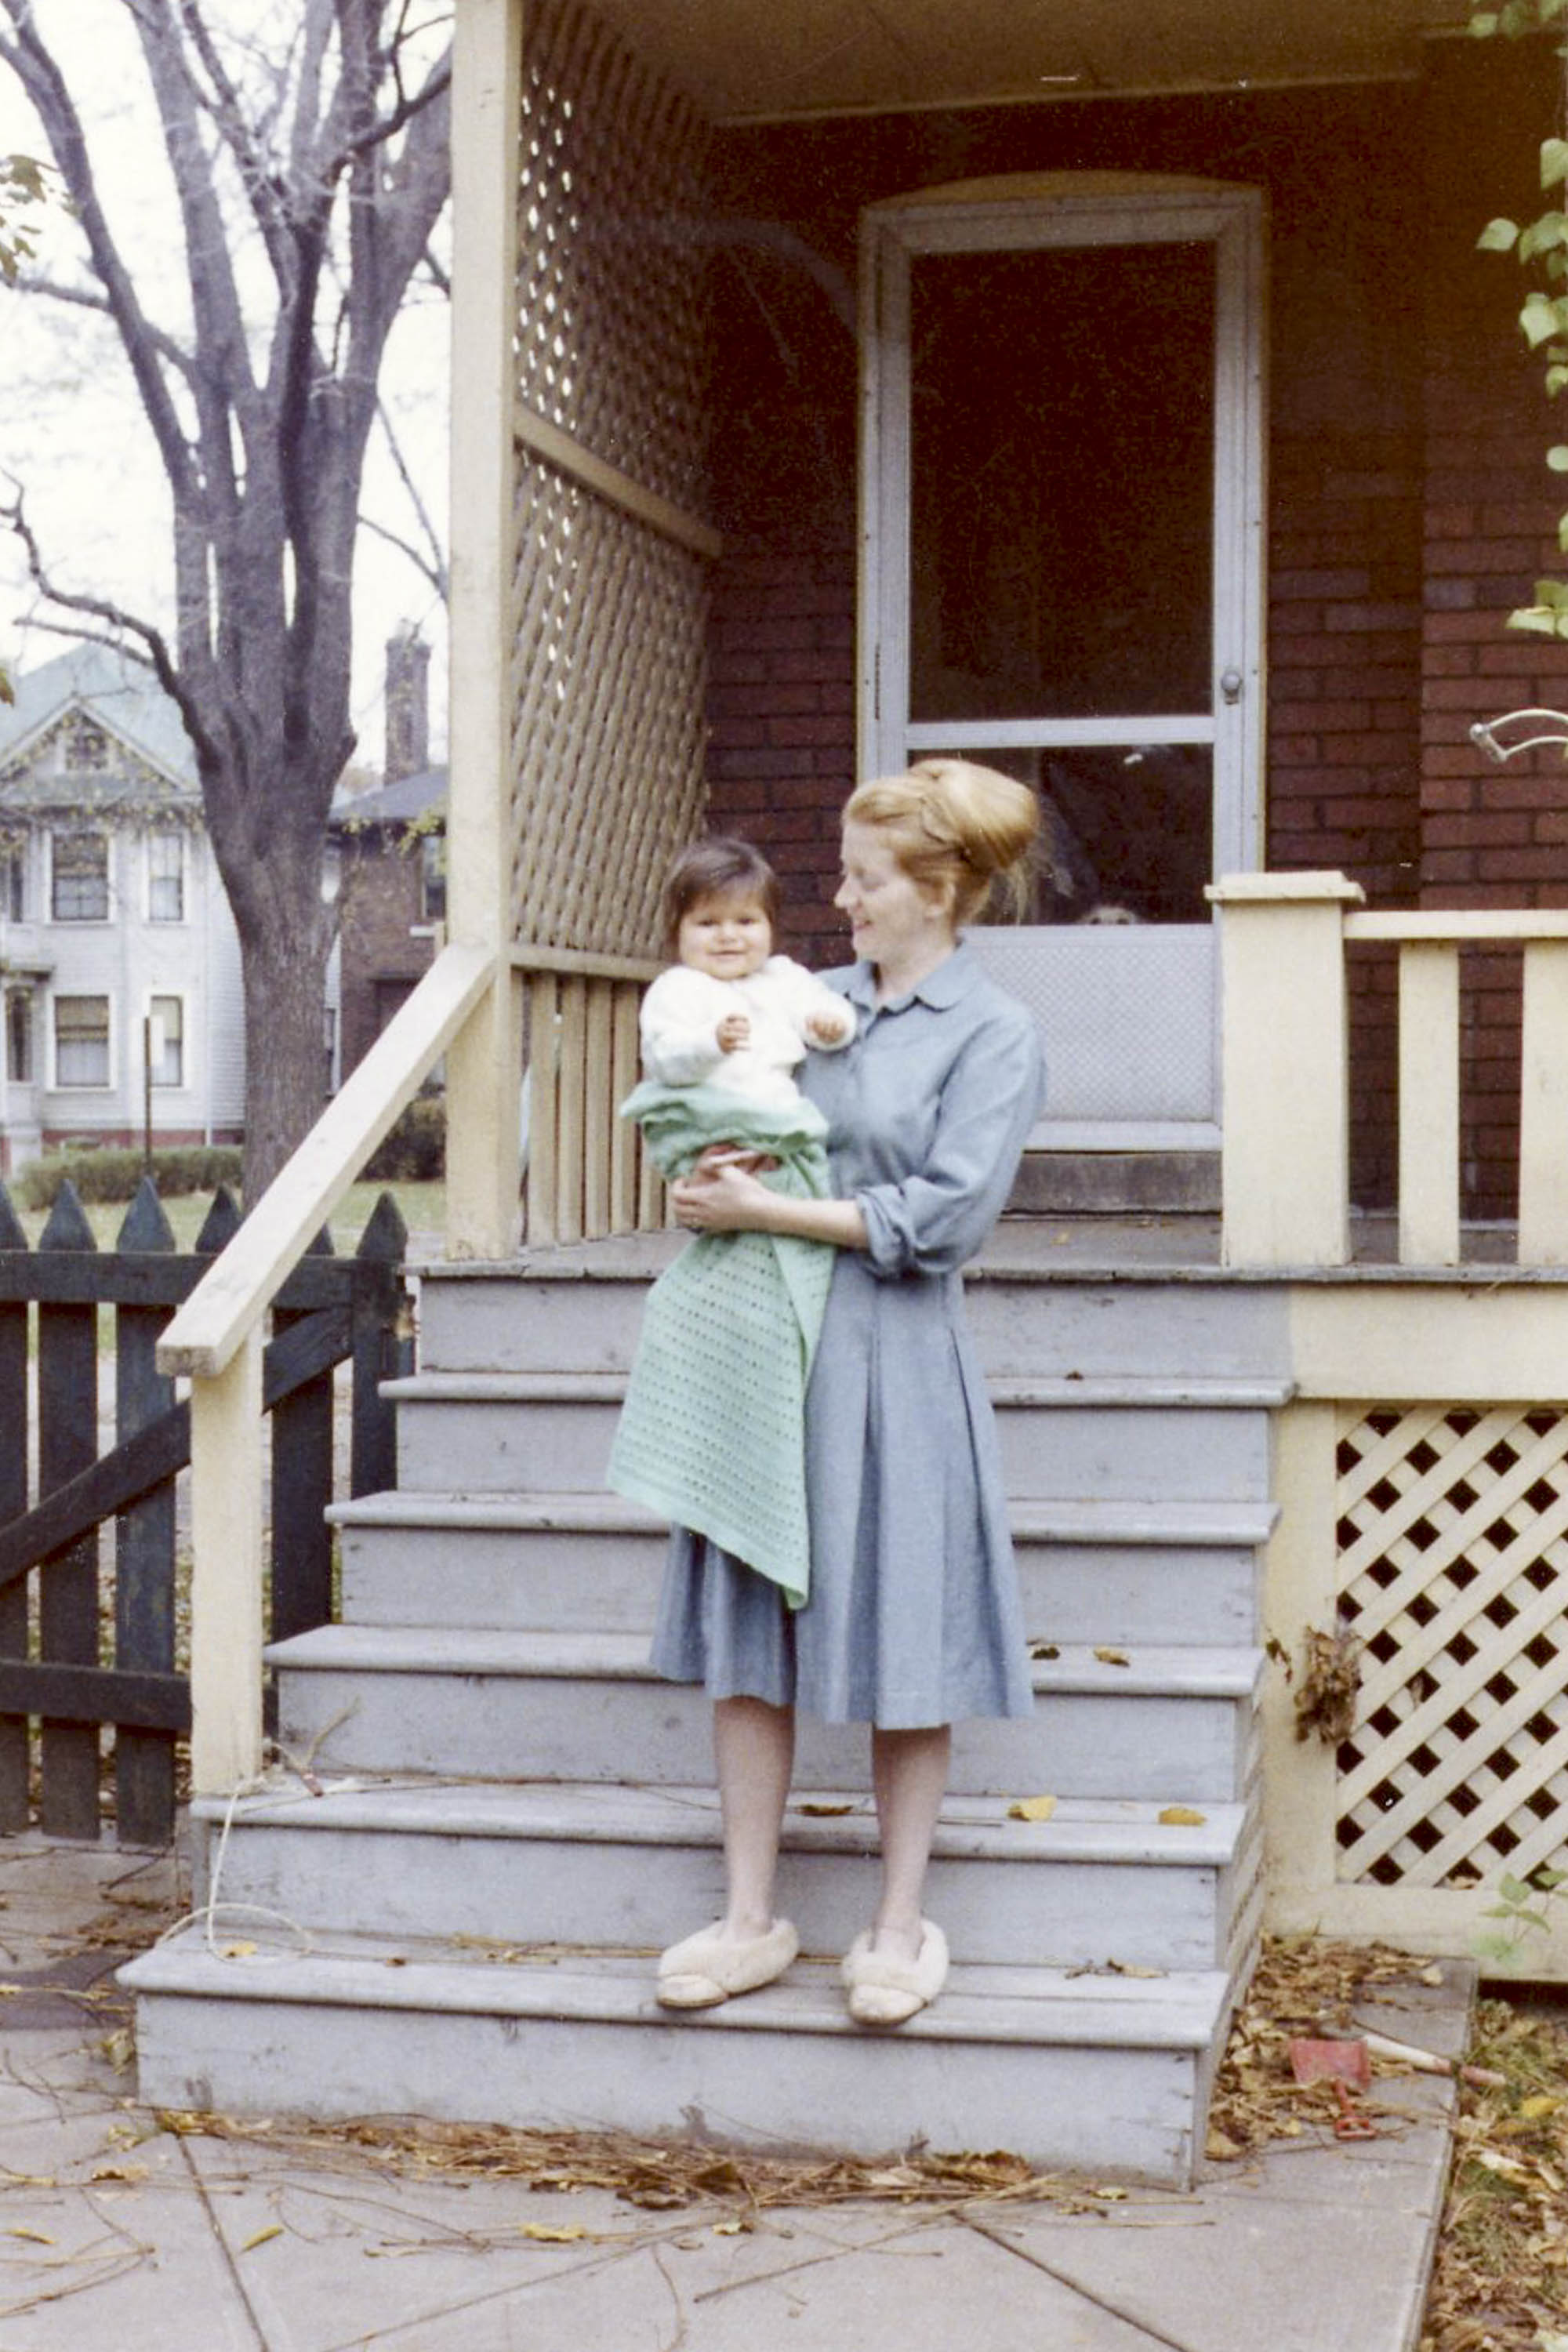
[(55, 1688)]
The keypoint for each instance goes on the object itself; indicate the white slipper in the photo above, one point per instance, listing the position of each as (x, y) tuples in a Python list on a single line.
[(708, 1968), (885, 1991)]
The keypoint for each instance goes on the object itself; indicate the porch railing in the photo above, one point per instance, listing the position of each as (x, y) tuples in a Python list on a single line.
[(587, 1173), (217, 1340), (1286, 1159)]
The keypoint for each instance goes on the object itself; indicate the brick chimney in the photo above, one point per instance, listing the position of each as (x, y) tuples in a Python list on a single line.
[(407, 705)]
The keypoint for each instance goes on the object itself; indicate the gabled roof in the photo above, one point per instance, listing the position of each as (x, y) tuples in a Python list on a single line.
[(409, 798), (121, 696)]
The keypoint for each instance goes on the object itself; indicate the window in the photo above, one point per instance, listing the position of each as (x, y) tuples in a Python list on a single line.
[(79, 864), (166, 1041), (82, 1041), (19, 1037), (13, 883), (166, 877), (432, 879)]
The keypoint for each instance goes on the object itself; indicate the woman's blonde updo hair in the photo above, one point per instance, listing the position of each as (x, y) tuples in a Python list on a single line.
[(955, 827)]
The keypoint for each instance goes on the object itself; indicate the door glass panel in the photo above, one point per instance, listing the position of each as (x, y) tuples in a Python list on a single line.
[(1062, 482), (1125, 836)]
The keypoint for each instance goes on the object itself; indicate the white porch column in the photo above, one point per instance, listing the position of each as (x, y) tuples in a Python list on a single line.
[(484, 1061), (1286, 1157)]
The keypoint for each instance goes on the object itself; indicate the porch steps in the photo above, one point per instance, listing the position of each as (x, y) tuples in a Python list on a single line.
[(1108, 2072), (1176, 1724), (516, 1814), (1124, 1437), (589, 1866), (1090, 1571)]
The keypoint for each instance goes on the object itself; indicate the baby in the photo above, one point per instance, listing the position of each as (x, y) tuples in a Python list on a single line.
[(711, 1434), (730, 1013)]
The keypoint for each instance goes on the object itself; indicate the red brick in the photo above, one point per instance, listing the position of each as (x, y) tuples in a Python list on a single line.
[(1477, 558), (1363, 619), (1303, 717), (806, 730), (1448, 661), (1449, 521), (1478, 829), (1437, 793)]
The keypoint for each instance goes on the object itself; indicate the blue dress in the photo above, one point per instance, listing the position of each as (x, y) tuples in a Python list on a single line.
[(913, 1618)]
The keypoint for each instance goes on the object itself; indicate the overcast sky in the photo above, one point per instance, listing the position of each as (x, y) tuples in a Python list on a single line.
[(74, 434)]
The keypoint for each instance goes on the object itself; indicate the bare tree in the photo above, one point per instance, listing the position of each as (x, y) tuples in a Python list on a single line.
[(328, 155)]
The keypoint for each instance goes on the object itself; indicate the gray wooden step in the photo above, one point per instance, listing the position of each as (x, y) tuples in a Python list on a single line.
[(1175, 1724), (581, 1311), (1100, 2074), (1090, 1571), (1187, 1440), (590, 1864)]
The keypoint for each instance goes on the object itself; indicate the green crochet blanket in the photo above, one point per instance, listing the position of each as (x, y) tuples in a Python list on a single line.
[(712, 1434)]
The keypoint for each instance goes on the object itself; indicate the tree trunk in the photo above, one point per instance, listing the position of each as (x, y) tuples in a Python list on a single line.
[(284, 938)]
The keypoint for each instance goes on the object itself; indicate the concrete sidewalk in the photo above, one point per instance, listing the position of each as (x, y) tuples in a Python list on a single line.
[(119, 2235)]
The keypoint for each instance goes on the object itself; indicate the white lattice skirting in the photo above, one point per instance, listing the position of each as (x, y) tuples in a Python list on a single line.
[(1453, 1573)]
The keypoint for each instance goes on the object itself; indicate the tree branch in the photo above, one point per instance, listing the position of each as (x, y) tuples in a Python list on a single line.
[(81, 298), (36, 69)]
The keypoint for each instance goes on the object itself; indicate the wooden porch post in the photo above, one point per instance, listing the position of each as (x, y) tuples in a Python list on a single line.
[(484, 1061), (225, 1598), (1286, 1158)]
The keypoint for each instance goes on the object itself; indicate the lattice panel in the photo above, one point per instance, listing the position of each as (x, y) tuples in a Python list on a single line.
[(612, 616), (609, 719), (1453, 1573)]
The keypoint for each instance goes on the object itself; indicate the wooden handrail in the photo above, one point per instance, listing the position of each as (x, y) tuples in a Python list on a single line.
[(230, 1299)]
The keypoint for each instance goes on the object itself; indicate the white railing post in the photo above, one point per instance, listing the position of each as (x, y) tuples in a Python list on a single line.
[(1285, 1155), (1543, 1107), (484, 1066), (1429, 1103), (225, 1595)]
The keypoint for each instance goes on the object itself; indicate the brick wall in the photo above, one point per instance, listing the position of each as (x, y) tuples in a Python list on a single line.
[(378, 912), (781, 725)]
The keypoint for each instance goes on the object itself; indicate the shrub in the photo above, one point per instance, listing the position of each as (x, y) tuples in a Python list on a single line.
[(415, 1151), (109, 1176)]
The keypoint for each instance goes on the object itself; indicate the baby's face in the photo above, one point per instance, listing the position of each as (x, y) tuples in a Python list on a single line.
[(728, 938)]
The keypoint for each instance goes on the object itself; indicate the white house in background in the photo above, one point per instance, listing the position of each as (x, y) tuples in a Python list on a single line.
[(119, 960)]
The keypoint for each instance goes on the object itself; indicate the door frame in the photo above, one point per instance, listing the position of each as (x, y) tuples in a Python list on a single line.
[(1076, 210)]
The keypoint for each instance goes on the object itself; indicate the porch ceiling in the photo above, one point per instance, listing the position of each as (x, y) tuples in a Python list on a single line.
[(749, 58)]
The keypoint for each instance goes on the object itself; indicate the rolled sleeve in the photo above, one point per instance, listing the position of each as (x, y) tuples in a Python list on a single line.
[(935, 1219)]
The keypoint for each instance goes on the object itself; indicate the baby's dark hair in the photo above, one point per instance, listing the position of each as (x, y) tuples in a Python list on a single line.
[(719, 868)]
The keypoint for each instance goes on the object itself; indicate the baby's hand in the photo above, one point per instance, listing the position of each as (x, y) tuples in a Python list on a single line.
[(734, 1032), (829, 1028)]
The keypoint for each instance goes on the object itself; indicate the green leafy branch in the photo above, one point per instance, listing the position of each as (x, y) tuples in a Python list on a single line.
[(1544, 319)]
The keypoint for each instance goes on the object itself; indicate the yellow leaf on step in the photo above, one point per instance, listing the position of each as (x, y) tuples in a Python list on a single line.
[(1032, 1809), (546, 2233), (1113, 1658), (1181, 1817), (34, 2237), (262, 2237), (824, 1812), (241, 1950)]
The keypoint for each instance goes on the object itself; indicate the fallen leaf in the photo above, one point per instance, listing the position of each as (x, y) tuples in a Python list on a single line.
[(1113, 1658), (273, 2230), (240, 1949), (1181, 1817), (1044, 1649), (1130, 1968), (119, 2172), (732, 2229), (1111, 2196), (1221, 2149), (547, 2233), (824, 1812), (1541, 2104), (34, 2237), (1032, 1809)]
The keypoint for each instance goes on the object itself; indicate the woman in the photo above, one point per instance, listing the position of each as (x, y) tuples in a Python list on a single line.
[(913, 1617)]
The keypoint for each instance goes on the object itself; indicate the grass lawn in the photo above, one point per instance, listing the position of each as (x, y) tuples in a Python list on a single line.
[(423, 1207)]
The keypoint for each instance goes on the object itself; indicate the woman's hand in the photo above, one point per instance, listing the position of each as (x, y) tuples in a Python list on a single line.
[(723, 1194)]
